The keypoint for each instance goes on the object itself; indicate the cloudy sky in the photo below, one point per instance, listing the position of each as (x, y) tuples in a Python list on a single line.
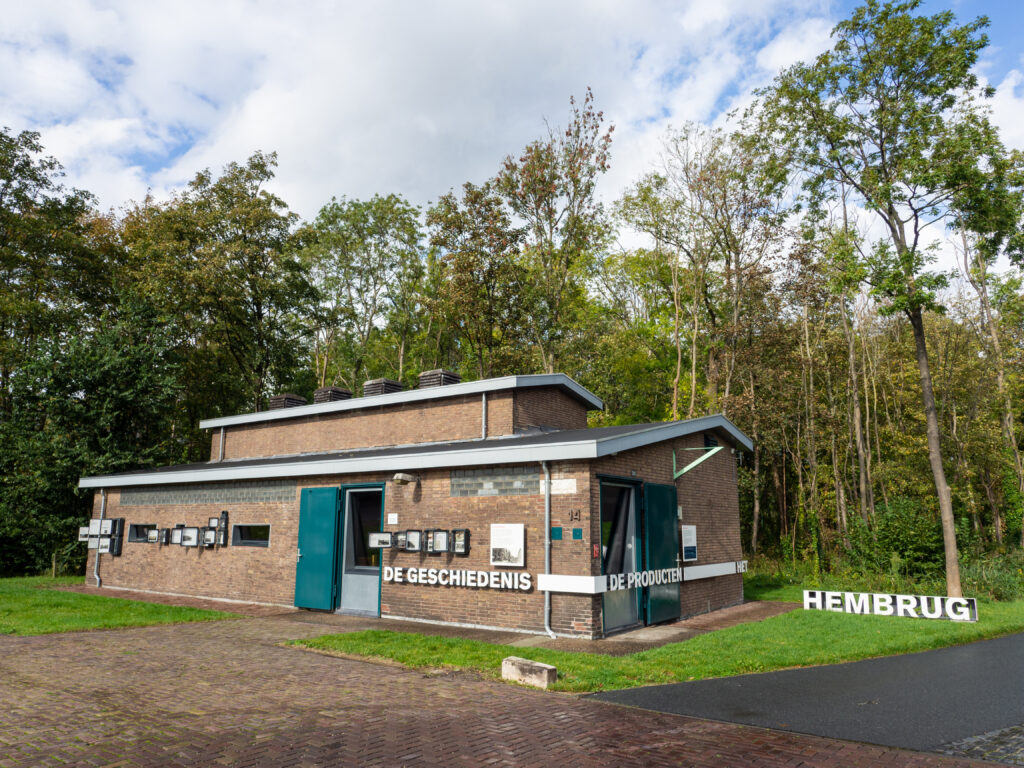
[(408, 97)]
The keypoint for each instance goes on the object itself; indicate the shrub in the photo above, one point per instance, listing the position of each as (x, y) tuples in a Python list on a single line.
[(906, 540)]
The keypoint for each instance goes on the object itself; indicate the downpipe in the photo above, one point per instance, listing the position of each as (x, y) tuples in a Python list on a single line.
[(96, 560), (547, 547)]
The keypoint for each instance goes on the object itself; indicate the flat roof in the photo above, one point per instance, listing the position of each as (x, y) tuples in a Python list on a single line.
[(481, 386), (518, 449)]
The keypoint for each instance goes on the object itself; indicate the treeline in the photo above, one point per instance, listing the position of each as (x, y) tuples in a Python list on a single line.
[(788, 283)]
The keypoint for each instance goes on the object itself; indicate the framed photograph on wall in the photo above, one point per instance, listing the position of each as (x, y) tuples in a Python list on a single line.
[(508, 544), (441, 541), (413, 541), (176, 535), (190, 537), (460, 541)]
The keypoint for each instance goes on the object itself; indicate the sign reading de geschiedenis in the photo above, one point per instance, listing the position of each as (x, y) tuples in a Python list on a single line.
[(910, 606)]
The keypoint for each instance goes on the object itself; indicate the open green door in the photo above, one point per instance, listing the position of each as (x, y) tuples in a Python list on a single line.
[(661, 550), (316, 574)]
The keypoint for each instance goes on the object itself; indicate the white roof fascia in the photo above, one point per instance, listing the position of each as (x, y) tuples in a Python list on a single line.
[(413, 396), (669, 431), (583, 449), (476, 456)]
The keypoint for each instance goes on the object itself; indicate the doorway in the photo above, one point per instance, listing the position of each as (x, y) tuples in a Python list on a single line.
[(639, 532), (336, 570), (360, 565), (619, 553)]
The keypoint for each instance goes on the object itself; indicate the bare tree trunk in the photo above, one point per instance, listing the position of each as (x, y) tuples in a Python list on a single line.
[(679, 348), (935, 456), (863, 486), (695, 327), (780, 498), (841, 520), (871, 422), (757, 469), (809, 403), (990, 494)]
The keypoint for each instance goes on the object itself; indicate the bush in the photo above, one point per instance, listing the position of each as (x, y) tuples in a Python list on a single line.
[(906, 540), (998, 574)]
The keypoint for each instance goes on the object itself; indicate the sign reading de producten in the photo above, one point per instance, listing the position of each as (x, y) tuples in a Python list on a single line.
[(909, 606)]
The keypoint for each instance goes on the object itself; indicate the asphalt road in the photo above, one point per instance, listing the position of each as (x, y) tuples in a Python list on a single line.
[(920, 701)]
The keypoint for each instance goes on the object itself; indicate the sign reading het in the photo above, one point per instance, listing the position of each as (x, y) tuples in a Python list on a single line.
[(910, 606)]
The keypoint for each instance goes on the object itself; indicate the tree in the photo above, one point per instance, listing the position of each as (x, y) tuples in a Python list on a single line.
[(218, 259), (86, 403), (892, 112), (551, 188), (485, 285), (49, 276), (359, 255)]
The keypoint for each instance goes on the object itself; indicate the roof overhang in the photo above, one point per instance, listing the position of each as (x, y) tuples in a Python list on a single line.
[(482, 453), (581, 393)]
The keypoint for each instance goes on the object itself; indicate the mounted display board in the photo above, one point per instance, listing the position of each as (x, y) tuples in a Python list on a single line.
[(508, 544), (689, 543)]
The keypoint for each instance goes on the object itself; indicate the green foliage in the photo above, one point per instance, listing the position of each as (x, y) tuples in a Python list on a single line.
[(905, 540), (86, 404), (485, 291), (217, 258), (363, 258), (31, 606), (551, 188)]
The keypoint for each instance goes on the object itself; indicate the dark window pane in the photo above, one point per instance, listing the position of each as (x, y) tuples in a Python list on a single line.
[(615, 503), (139, 531), (365, 517), (250, 535)]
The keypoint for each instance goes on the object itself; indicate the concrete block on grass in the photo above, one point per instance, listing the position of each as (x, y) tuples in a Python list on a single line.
[(528, 672)]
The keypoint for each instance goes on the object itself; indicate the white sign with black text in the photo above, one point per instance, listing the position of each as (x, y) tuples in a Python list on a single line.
[(909, 606)]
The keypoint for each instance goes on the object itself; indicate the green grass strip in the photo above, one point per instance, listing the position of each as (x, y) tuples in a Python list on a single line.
[(797, 639), (30, 606)]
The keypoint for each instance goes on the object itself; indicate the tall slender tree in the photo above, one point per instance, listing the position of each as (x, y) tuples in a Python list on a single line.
[(893, 112)]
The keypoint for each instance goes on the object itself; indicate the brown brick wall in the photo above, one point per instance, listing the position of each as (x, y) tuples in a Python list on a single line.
[(455, 418), (707, 494), (548, 408), (429, 505)]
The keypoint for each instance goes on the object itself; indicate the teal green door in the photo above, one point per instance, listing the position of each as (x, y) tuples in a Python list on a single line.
[(316, 569), (661, 550)]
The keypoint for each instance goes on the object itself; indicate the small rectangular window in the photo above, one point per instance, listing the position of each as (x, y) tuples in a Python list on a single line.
[(140, 531), (250, 535)]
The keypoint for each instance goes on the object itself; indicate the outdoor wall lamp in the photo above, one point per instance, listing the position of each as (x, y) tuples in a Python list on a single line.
[(402, 478)]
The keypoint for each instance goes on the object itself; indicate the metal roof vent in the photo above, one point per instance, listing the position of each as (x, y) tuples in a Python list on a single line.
[(331, 394), (287, 400), (381, 387), (438, 378)]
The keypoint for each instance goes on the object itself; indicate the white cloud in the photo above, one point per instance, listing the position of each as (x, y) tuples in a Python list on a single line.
[(363, 98), (1008, 109)]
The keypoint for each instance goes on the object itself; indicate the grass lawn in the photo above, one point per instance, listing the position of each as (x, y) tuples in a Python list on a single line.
[(28, 606), (797, 639)]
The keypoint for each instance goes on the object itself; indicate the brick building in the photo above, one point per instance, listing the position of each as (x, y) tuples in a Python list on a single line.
[(485, 503)]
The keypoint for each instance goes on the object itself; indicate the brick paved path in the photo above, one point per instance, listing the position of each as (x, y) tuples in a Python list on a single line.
[(223, 693)]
